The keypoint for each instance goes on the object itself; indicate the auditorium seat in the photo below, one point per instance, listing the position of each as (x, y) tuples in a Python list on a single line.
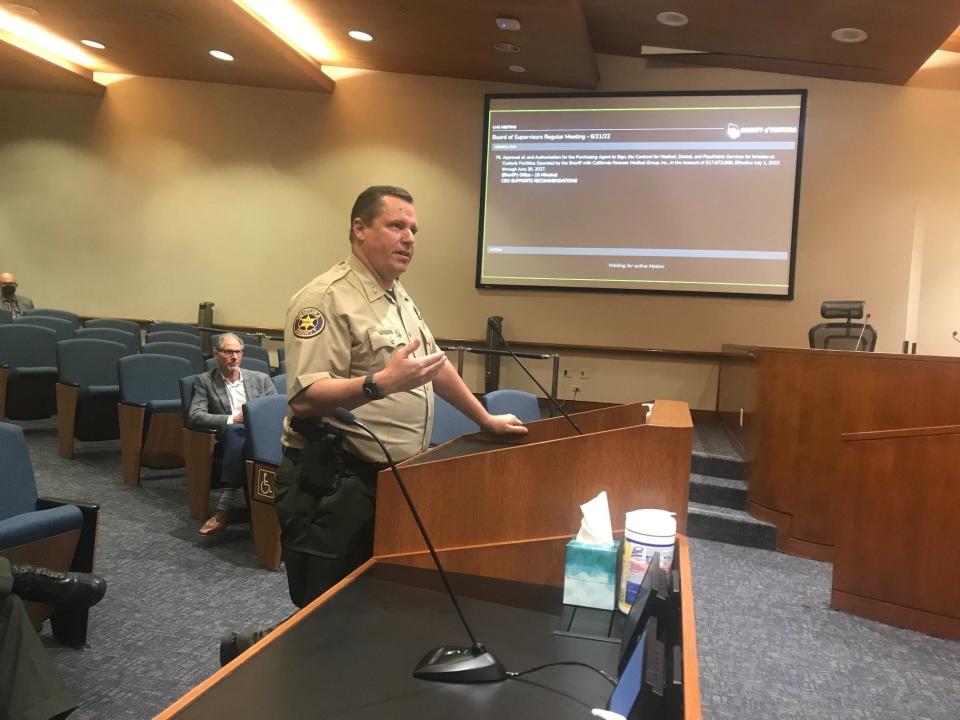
[(174, 326), (88, 390), (264, 419), (127, 339), (256, 352), (522, 404), (191, 353), (280, 383), (6, 317), (246, 363), (175, 336), (247, 338), (449, 423), (28, 371), (199, 454), (126, 325), (63, 328), (50, 312), (45, 532), (150, 412)]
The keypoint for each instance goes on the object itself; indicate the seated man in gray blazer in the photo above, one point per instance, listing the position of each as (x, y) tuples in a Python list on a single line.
[(218, 398)]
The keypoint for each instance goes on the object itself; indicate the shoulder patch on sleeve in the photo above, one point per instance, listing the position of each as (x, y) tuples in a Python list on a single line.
[(308, 323)]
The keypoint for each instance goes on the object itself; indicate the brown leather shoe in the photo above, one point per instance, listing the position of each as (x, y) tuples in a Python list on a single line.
[(216, 523)]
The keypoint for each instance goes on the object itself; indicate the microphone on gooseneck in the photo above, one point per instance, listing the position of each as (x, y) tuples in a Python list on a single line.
[(955, 336), (495, 326), (862, 328), (472, 664)]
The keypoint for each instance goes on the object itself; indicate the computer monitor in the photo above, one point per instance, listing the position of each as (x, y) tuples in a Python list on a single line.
[(638, 694), (654, 589)]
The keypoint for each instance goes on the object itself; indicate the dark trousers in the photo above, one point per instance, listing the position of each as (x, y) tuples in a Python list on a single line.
[(324, 537), (29, 688), (232, 472)]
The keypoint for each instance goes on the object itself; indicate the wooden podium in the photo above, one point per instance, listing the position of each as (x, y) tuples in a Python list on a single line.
[(516, 504), (494, 510), (788, 408), (897, 531)]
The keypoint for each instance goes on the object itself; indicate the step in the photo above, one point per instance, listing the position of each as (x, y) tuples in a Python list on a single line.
[(721, 466), (727, 525), (725, 492)]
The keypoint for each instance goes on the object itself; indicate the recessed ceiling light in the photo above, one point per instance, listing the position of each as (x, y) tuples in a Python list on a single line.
[(517, 68), (221, 55), (506, 47), (94, 44), (360, 35), (672, 19), (24, 10), (849, 35), (507, 23)]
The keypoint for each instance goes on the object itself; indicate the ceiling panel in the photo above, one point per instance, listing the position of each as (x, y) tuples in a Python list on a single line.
[(20, 70), (455, 38), (172, 39), (784, 35)]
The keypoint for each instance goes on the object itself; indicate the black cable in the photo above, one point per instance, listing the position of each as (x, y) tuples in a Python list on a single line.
[(515, 675)]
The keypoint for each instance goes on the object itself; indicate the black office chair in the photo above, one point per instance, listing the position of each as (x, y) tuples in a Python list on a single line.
[(846, 335)]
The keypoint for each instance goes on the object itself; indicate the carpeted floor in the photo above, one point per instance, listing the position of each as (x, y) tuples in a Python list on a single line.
[(769, 645)]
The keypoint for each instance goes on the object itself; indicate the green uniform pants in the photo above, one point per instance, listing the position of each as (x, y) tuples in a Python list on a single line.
[(29, 689)]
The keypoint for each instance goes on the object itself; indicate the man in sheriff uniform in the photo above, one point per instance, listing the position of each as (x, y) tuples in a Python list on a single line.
[(354, 339)]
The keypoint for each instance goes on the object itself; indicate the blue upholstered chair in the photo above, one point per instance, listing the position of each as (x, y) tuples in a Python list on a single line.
[(45, 532), (63, 328), (248, 338), (199, 455), (280, 383), (174, 326), (255, 352), (174, 336), (28, 371), (246, 363), (6, 317), (449, 423), (522, 404), (128, 339), (114, 324), (150, 412), (87, 390), (191, 353), (50, 312), (264, 419)]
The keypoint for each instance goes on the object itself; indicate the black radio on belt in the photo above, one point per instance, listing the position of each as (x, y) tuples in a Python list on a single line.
[(321, 461)]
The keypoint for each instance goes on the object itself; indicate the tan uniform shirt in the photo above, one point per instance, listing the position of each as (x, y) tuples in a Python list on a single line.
[(342, 324)]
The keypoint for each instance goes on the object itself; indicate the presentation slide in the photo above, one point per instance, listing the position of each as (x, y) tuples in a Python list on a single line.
[(652, 192)]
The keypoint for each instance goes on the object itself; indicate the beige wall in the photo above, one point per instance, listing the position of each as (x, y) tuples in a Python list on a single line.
[(163, 194)]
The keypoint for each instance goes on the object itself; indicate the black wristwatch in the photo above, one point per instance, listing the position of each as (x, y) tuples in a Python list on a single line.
[(370, 388)]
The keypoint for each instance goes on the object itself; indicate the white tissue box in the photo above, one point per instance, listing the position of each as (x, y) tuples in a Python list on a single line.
[(590, 575)]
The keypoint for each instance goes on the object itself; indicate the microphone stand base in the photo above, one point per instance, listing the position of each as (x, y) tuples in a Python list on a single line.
[(460, 665)]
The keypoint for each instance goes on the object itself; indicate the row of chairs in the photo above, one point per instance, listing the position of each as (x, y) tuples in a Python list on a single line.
[(29, 362), (448, 422)]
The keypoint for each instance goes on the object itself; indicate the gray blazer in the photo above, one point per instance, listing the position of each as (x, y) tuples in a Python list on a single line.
[(210, 406)]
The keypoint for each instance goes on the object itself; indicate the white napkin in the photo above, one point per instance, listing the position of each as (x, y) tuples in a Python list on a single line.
[(595, 527)]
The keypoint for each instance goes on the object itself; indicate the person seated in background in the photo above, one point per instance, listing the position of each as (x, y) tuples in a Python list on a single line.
[(29, 688), (12, 302), (218, 398)]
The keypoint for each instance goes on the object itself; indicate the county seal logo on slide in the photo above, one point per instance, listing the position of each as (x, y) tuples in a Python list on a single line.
[(309, 323)]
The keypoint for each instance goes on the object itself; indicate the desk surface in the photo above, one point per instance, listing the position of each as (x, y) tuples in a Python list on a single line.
[(353, 656)]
